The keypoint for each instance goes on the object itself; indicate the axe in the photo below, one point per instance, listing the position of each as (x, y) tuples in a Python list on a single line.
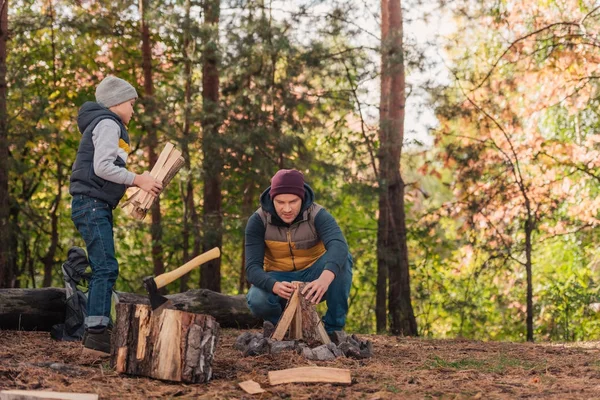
[(152, 284)]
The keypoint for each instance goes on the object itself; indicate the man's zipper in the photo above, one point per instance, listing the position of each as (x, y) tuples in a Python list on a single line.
[(289, 238)]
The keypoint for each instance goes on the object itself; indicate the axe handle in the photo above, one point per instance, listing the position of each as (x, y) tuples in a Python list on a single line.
[(168, 277)]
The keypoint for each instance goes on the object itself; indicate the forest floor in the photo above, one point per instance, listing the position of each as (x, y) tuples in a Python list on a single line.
[(400, 368)]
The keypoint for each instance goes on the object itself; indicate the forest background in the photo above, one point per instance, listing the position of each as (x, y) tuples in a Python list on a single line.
[(500, 194)]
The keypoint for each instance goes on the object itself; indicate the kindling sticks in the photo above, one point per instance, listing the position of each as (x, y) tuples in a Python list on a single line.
[(168, 164)]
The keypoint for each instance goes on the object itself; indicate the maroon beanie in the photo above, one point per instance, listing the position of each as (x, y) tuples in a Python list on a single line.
[(287, 181)]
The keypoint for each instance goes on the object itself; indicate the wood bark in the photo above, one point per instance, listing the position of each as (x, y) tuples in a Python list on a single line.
[(6, 269), (301, 320), (39, 309), (210, 273), (152, 140), (392, 249), (170, 345)]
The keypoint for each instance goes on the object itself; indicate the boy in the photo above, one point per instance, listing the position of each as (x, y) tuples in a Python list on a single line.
[(98, 182)]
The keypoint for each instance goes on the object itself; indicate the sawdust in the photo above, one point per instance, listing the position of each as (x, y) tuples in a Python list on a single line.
[(400, 368)]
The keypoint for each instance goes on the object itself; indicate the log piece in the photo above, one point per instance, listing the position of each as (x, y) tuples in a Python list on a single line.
[(39, 309), (310, 374), (302, 319), (44, 395), (170, 345)]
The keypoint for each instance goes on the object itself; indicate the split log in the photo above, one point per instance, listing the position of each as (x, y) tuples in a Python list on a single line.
[(168, 164), (310, 374), (302, 319), (44, 395), (170, 345), (251, 387), (39, 309)]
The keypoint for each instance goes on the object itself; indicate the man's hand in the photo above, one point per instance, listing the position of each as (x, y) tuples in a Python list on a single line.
[(283, 289), (148, 183), (315, 290)]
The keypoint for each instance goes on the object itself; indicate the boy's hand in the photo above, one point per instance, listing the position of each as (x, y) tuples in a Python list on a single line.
[(283, 289), (315, 290), (146, 182)]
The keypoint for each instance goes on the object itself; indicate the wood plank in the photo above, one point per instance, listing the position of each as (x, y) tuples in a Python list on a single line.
[(156, 168), (38, 394), (162, 158), (251, 387), (322, 333), (296, 325), (147, 200), (311, 375), (286, 318)]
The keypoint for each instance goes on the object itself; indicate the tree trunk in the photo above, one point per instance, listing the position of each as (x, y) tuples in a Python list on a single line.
[(6, 275), (210, 273), (392, 247), (49, 258), (152, 141), (171, 345), (191, 223), (247, 210), (39, 309), (529, 225), (382, 268)]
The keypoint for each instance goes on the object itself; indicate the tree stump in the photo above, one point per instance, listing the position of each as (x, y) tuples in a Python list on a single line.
[(302, 319), (170, 345)]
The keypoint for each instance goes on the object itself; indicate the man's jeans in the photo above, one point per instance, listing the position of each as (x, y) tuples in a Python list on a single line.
[(94, 220), (269, 306)]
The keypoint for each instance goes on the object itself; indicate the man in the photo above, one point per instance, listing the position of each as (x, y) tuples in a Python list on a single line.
[(98, 182), (292, 238)]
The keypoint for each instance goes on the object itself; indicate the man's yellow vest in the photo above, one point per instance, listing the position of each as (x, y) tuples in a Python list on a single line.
[(292, 248)]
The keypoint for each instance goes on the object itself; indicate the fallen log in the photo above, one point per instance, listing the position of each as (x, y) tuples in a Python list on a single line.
[(39, 309)]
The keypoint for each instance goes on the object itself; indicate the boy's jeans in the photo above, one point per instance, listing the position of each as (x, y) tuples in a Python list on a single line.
[(94, 220), (269, 306)]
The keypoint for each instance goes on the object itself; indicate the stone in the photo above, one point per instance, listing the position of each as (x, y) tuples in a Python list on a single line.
[(350, 351), (268, 329), (338, 337), (286, 345), (256, 347), (353, 340), (308, 353), (322, 353), (366, 349), (241, 343), (335, 350)]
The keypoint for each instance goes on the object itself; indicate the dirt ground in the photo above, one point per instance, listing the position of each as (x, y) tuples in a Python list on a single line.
[(400, 368)]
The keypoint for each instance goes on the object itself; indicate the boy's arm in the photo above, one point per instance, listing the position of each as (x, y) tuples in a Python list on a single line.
[(106, 150), (334, 241), (255, 255)]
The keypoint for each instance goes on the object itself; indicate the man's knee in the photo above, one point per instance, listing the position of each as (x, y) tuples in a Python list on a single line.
[(260, 302)]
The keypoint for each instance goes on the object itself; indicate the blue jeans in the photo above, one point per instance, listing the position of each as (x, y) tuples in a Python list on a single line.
[(269, 306), (94, 220)]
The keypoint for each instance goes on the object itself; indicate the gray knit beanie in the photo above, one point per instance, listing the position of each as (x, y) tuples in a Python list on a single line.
[(113, 91)]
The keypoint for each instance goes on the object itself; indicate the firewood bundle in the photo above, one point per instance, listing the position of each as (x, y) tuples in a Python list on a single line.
[(168, 164)]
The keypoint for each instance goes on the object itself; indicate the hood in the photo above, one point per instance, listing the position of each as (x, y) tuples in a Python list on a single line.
[(90, 111), (267, 204)]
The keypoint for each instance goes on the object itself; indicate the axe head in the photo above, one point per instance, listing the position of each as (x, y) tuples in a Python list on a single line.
[(156, 299)]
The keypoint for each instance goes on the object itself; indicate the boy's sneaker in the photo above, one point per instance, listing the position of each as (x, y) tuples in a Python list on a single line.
[(98, 340)]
